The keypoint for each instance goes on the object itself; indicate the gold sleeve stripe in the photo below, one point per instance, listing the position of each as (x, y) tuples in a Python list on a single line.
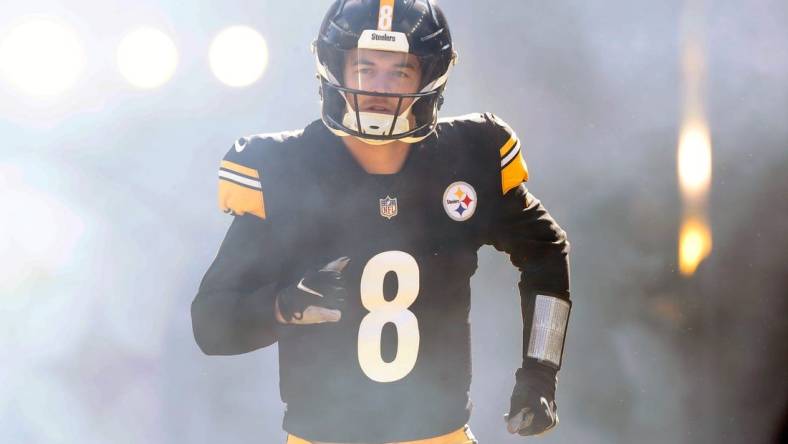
[(246, 171), (508, 146), (514, 174), (239, 200)]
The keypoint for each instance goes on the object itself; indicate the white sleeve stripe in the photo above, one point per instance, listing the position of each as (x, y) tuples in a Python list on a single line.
[(240, 179), (513, 152)]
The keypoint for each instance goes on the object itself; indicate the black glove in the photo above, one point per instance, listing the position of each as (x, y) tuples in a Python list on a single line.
[(533, 410), (317, 298)]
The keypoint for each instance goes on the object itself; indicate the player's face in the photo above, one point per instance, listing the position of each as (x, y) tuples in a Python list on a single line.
[(385, 72)]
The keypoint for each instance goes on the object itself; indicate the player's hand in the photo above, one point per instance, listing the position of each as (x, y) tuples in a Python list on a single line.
[(317, 298), (533, 410)]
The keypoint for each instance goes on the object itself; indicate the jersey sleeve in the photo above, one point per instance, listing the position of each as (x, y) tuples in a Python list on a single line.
[(520, 225), (240, 187), (514, 170), (536, 244), (233, 311)]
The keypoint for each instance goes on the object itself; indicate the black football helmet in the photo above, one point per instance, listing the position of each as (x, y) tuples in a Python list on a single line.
[(357, 31)]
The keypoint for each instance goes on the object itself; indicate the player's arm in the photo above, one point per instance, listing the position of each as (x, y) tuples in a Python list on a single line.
[(538, 247), (245, 296), (233, 311), (242, 303)]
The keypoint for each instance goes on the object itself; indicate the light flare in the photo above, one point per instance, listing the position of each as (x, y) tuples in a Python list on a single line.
[(694, 154), (694, 244), (694, 158), (41, 57), (147, 58), (238, 56)]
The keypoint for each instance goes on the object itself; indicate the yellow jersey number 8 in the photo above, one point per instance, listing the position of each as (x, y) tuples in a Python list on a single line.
[(382, 312)]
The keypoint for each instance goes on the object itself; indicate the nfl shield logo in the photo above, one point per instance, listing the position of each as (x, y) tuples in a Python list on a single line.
[(388, 207)]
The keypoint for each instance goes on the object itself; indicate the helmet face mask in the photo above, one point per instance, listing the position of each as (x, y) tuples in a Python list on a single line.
[(381, 96), (378, 85)]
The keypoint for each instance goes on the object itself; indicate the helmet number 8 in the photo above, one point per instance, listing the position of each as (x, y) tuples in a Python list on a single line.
[(382, 312), (385, 17)]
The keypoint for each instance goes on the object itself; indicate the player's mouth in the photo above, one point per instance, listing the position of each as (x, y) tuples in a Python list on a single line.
[(379, 108)]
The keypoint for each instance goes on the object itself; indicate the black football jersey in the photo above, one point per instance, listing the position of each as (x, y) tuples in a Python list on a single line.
[(396, 367)]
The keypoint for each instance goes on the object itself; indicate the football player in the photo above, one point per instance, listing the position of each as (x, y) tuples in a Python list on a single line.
[(354, 240)]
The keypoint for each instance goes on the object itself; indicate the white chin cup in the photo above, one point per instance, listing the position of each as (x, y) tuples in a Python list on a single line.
[(377, 124)]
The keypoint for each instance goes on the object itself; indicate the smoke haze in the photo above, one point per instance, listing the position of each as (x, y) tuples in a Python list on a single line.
[(109, 221)]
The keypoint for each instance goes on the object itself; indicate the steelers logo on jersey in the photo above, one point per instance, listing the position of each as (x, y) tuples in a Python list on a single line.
[(459, 201)]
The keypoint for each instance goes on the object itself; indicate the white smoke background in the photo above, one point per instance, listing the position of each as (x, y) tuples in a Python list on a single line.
[(108, 221)]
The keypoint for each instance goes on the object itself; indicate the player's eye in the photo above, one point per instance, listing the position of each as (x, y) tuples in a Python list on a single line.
[(401, 75)]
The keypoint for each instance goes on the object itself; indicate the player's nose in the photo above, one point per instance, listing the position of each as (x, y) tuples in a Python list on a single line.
[(380, 84)]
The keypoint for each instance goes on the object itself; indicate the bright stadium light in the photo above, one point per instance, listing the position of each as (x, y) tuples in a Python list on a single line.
[(41, 57), (238, 56), (147, 58)]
